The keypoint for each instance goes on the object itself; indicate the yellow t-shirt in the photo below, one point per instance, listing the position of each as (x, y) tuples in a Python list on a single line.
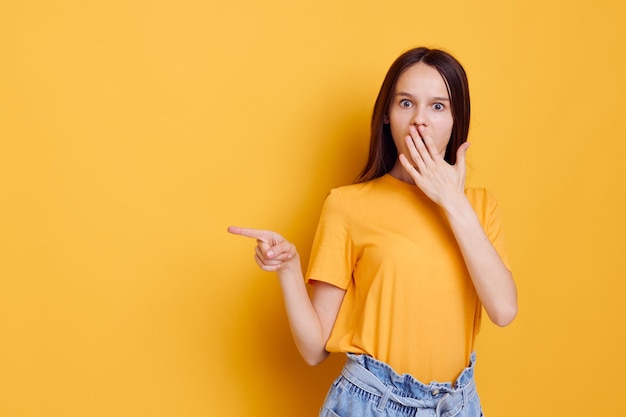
[(409, 299)]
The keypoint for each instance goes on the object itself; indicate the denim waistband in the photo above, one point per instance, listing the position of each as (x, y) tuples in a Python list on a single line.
[(379, 379)]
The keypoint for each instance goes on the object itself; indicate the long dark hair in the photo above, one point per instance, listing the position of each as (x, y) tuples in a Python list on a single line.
[(383, 153)]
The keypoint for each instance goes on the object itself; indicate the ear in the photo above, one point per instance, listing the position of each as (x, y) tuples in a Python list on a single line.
[(386, 119)]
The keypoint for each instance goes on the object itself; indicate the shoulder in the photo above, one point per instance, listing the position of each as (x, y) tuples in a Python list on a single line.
[(485, 205), (480, 195), (356, 190), (352, 199), (483, 201)]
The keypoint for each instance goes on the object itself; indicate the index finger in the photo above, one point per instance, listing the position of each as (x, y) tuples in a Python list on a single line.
[(248, 232), (429, 143)]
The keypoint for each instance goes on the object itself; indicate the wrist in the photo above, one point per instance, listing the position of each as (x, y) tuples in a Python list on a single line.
[(457, 205), (290, 265)]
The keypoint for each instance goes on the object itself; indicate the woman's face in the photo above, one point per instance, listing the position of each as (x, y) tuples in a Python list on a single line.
[(421, 99)]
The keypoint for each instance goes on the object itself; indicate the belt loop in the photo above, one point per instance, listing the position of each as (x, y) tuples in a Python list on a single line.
[(383, 400), (464, 391), (437, 409)]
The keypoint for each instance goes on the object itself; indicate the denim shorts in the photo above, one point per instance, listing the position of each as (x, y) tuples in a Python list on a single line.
[(370, 388)]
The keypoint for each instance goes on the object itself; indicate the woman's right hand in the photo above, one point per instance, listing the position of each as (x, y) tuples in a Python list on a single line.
[(273, 252), (311, 320)]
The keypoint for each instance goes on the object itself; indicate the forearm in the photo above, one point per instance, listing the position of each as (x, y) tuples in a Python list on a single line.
[(306, 327), (311, 318), (491, 278)]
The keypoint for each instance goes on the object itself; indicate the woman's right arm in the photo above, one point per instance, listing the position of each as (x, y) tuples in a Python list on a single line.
[(311, 319)]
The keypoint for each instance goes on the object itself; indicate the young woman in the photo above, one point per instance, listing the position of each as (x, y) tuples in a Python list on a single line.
[(404, 260)]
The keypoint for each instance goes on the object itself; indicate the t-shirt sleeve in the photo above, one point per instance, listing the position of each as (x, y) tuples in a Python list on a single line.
[(491, 219), (331, 253)]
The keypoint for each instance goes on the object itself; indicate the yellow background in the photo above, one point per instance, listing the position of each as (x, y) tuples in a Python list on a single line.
[(134, 132)]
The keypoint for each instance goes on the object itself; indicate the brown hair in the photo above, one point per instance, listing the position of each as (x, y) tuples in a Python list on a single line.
[(383, 153)]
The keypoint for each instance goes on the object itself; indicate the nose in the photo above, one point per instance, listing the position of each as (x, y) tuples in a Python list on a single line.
[(419, 117)]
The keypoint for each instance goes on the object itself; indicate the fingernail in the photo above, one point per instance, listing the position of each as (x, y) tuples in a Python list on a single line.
[(270, 253)]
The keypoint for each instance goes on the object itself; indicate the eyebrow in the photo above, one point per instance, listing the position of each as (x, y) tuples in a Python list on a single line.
[(401, 93)]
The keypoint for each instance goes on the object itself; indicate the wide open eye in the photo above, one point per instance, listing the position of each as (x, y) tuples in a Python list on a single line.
[(438, 106), (405, 103)]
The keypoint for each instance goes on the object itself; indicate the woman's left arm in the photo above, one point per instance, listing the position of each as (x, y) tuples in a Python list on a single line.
[(444, 184), (491, 278)]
